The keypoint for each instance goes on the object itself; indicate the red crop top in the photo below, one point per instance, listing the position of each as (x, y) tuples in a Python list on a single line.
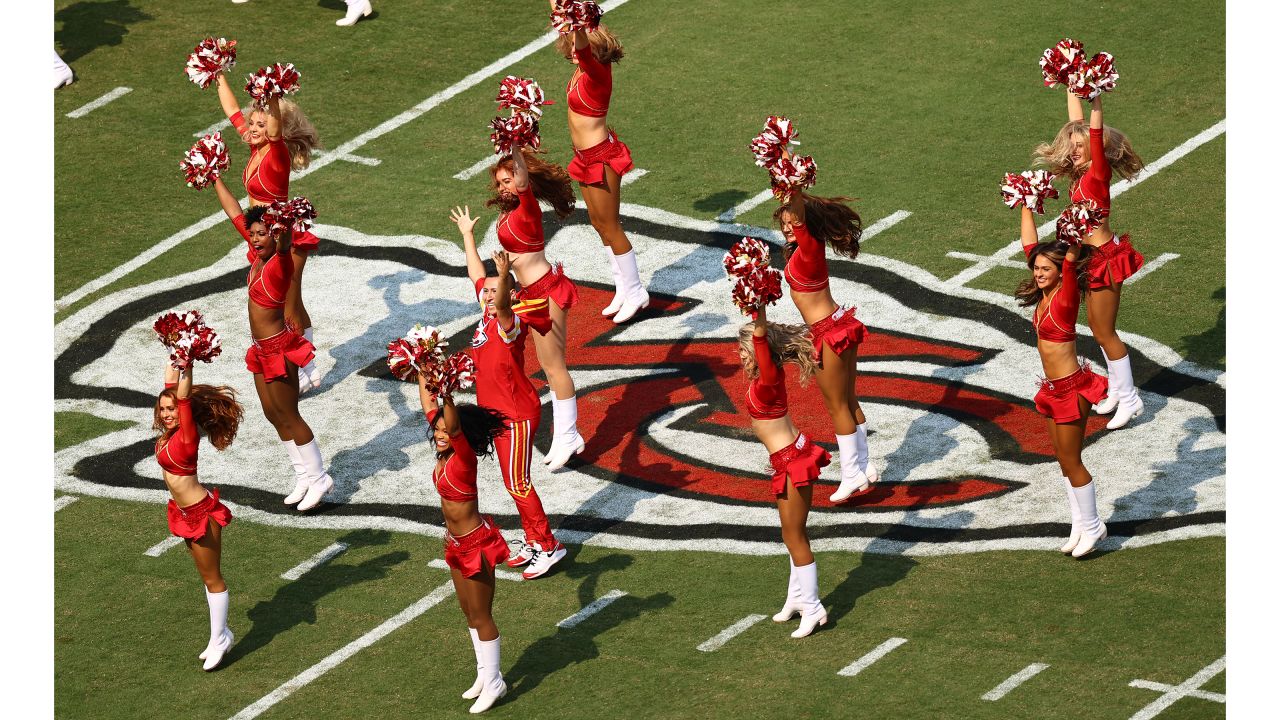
[(177, 455), (1095, 184), (270, 179), (591, 86), (272, 284), (456, 478), (767, 393), (806, 269), (520, 231), (1059, 323)]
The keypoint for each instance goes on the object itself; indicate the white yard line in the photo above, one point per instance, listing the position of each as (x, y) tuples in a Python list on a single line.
[(744, 206), (349, 157), (729, 633), (633, 176), (596, 606), (1150, 267), (1173, 694), (884, 223), (1164, 687), (995, 259), (865, 661), (94, 105), (476, 169), (499, 573), (337, 658), (222, 124), (346, 148), (163, 546), (314, 561), (976, 258), (1014, 681), (61, 502)]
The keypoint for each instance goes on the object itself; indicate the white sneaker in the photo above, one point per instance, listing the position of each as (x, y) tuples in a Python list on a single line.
[(216, 651), (562, 450), (543, 561), (355, 10), (299, 491), (317, 490), (489, 696), (525, 554)]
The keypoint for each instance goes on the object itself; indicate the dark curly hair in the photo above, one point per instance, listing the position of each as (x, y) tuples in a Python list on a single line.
[(480, 426), (254, 214), (1027, 294)]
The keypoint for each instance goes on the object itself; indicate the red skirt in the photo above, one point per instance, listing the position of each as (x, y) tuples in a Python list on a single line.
[(553, 285), (839, 330), (1057, 398), (1113, 262), (192, 521), (802, 461), (268, 356), (306, 242), (485, 543), (587, 166)]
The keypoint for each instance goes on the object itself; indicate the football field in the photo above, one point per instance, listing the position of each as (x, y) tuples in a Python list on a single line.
[(947, 596)]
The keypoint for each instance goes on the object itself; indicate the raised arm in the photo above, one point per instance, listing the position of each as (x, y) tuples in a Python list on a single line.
[(502, 303), (1099, 166), (1075, 109), (521, 174), (1095, 113), (425, 396), (769, 371), (452, 424), (227, 97), (273, 120), (461, 216), (186, 421), (1028, 231), (761, 326), (230, 205)]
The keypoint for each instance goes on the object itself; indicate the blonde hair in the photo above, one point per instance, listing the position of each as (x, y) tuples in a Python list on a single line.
[(604, 45), (298, 133), (787, 344), (1056, 156)]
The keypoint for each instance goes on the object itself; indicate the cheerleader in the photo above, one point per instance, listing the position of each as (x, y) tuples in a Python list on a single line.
[(519, 182), (473, 546), (808, 222), (497, 347), (277, 352), (600, 159), (796, 460), (1089, 154), (1054, 288), (196, 515), (281, 139)]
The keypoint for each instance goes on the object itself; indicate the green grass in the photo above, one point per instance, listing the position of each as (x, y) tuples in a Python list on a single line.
[(72, 428)]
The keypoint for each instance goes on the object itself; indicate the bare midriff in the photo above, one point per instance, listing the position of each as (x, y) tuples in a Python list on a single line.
[(775, 434), (185, 489), (529, 267), (814, 306), (460, 518)]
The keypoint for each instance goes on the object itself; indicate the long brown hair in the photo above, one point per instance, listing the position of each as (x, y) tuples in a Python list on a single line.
[(1056, 155), (299, 135), (213, 407), (787, 344), (549, 181), (830, 221), (604, 45), (1027, 294)]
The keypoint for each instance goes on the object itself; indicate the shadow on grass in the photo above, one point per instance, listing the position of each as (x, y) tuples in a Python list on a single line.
[(87, 26), (295, 603), (721, 201), (1210, 346)]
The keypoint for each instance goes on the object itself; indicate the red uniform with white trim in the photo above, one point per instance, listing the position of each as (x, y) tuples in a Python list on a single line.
[(803, 460), (267, 290), (1057, 398), (455, 480), (177, 454), (1115, 260), (588, 94), (269, 180), (520, 231), (806, 271)]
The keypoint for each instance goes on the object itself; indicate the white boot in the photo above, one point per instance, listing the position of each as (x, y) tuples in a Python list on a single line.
[(308, 375), (220, 636), (494, 687), (62, 74), (813, 614), (474, 691), (618, 296), (1076, 524), (852, 479), (792, 605), (864, 454), (636, 297), (301, 480), (355, 10), (1130, 404), (1108, 403), (566, 441), (1092, 530), (321, 483)]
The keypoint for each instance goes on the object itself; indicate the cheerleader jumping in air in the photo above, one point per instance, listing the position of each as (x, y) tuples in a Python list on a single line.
[(796, 460), (502, 385), (1089, 153), (473, 546), (277, 352), (183, 411)]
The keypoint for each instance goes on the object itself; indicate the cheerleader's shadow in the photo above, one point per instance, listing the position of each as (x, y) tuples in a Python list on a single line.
[(295, 603)]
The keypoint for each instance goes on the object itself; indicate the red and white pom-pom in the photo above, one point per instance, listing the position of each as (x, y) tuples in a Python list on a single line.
[(1079, 221), (303, 214), (761, 286), (187, 338), (778, 134), (1058, 62), (521, 95), (1094, 77), (570, 15), (271, 82), (421, 350), (1031, 187), (296, 214), (205, 161), (746, 255), (456, 373), (211, 56), (514, 132), (402, 359), (790, 175)]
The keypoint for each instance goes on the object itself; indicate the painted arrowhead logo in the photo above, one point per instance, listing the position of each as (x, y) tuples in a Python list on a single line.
[(670, 459)]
